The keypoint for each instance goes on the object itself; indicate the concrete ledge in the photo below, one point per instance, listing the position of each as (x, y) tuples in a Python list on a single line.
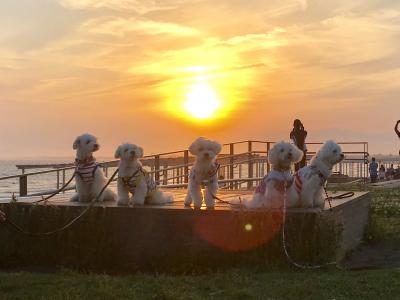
[(124, 239)]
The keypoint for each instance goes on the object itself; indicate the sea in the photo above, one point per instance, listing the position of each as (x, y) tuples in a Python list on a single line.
[(37, 183)]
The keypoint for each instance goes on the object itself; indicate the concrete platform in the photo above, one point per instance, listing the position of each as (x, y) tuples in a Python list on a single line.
[(172, 238)]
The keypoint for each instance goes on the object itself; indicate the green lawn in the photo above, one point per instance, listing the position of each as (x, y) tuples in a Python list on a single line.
[(243, 283), (234, 284)]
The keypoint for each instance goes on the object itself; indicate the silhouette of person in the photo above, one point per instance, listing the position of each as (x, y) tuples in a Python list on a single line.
[(397, 130), (373, 170), (298, 136)]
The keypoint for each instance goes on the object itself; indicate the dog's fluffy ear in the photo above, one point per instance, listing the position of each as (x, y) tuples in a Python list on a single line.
[(118, 152), (193, 147), (273, 154), (217, 147), (76, 143), (297, 154), (139, 152)]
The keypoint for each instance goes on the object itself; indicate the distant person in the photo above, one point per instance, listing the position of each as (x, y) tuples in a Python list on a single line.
[(396, 174), (397, 130), (298, 136), (382, 173), (2, 216), (373, 170), (390, 172)]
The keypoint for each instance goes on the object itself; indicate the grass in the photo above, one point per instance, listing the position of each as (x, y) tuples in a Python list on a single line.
[(384, 223), (242, 283), (233, 284)]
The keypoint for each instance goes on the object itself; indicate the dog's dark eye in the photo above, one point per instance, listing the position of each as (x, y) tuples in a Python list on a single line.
[(126, 150), (282, 150), (87, 143), (334, 151)]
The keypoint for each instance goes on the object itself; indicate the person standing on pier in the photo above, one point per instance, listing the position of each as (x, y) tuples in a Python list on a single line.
[(373, 170), (397, 130), (298, 136)]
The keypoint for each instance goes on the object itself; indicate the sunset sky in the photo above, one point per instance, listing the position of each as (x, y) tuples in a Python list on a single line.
[(136, 70)]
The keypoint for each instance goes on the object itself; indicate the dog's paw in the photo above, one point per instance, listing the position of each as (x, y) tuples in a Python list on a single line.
[(122, 203), (74, 198)]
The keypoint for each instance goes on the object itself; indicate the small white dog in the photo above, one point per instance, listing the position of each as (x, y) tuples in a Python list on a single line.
[(133, 179), (307, 190), (89, 176), (203, 173), (269, 193)]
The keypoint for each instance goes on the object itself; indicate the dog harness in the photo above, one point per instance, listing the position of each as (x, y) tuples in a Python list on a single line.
[(132, 182), (299, 176), (86, 168), (279, 178), (207, 177)]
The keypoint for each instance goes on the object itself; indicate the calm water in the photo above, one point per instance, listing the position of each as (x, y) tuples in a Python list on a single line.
[(36, 183)]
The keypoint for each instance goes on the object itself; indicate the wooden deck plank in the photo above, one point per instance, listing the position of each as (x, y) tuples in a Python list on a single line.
[(179, 196)]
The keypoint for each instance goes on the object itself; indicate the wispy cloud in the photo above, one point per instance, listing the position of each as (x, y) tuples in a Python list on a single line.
[(122, 26), (139, 6)]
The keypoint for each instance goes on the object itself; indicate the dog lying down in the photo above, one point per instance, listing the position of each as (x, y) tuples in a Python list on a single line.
[(309, 182), (89, 176), (134, 180)]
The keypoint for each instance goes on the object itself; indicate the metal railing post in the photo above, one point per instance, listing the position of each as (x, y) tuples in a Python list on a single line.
[(231, 161), (250, 164), (165, 175), (23, 185), (186, 163), (157, 168), (268, 148), (58, 179), (63, 179)]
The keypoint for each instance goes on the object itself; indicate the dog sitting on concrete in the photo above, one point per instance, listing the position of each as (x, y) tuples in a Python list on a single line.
[(134, 180), (203, 173), (309, 183), (270, 192), (89, 176)]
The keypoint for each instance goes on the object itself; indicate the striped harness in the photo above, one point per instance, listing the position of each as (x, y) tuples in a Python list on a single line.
[(299, 176), (279, 178), (86, 168), (132, 182), (207, 177)]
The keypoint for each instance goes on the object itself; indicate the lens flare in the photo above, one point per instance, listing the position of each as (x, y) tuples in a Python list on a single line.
[(248, 227)]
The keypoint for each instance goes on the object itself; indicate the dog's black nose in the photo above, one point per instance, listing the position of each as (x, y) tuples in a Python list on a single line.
[(96, 145), (289, 155), (342, 155), (132, 152), (206, 154)]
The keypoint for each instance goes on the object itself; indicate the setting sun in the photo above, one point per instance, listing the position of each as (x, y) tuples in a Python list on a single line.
[(201, 101)]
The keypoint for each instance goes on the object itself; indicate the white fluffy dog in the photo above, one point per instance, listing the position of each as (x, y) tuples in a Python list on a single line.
[(134, 180), (203, 173), (89, 176), (307, 190), (269, 193)]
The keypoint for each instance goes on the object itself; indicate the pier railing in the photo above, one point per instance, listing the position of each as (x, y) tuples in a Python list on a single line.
[(242, 163)]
